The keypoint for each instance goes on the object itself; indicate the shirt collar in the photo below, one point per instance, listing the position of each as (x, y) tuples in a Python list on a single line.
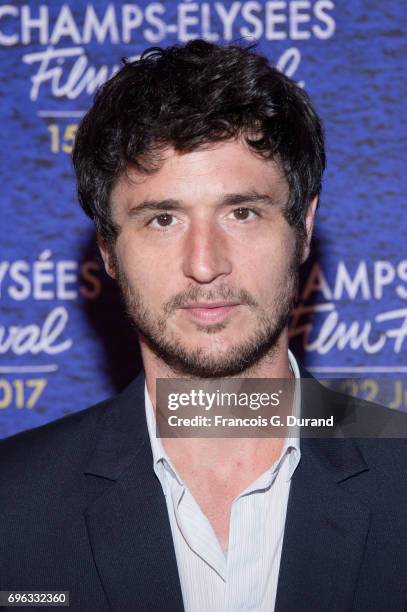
[(160, 457)]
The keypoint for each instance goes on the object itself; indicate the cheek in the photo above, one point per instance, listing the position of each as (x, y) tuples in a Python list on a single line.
[(267, 266), (147, 273), (271, 252)]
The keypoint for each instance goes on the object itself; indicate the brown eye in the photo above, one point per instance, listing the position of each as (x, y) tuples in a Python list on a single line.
[(164, 220), (241, 214)]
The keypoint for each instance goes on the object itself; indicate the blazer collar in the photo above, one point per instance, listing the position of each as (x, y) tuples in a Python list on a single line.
[(122, 432)]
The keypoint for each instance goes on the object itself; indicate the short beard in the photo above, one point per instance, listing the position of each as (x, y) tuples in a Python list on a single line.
[(195, 362)]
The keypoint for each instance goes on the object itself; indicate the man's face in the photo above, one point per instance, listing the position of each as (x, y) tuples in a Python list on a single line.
[(206, 261)]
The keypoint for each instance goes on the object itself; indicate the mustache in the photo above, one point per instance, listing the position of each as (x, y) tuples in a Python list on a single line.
[(222, 292)]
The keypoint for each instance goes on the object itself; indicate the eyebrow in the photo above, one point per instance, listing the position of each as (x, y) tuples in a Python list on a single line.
[(230, 199), (154, 205), (248, 197)]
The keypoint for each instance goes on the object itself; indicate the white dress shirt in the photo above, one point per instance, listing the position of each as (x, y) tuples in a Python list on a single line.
[(246, 578)]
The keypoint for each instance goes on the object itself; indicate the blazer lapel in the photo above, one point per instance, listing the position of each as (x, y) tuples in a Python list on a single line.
[(128, 524), (326, 530)]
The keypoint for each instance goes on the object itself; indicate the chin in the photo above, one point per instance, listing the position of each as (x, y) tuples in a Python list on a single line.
[(213, 344)]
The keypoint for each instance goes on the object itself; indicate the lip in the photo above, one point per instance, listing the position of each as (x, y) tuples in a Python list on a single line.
[(210, 312)]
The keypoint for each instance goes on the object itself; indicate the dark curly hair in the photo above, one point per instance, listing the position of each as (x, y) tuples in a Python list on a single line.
[(187, 97)]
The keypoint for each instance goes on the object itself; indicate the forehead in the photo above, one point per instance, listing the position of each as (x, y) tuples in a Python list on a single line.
[(208, 172)]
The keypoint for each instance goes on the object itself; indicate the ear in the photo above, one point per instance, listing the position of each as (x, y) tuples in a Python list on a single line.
[(309, 226), (106, 254)]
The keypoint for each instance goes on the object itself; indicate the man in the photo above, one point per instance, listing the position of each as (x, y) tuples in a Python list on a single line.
[(201, 167)]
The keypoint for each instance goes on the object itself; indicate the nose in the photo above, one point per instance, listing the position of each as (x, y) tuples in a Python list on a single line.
[(206, 253)]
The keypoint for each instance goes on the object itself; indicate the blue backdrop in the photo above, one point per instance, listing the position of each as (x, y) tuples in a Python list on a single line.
[(64, 341)]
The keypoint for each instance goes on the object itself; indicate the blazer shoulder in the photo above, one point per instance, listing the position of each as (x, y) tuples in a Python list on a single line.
[(54, 439), (72, 436), (69, 441)]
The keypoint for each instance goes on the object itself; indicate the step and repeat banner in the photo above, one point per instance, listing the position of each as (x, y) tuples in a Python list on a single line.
[(64, 340)]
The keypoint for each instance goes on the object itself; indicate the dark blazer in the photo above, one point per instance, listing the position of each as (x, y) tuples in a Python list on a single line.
[(82, 510)]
